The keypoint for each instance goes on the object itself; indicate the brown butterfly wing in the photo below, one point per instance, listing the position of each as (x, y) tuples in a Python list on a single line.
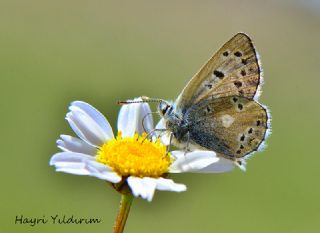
[(232, 71), (233, 126)]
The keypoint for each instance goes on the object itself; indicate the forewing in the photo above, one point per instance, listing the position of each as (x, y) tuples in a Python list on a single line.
[(232, 71), (233, 126)]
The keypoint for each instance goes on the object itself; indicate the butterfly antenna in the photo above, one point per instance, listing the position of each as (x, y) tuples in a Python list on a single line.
[(144, 99)]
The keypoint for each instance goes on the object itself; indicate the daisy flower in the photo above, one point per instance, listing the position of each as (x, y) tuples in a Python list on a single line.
[(129, 157)]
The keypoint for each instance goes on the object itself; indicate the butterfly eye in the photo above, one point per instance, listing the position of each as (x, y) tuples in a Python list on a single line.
[(164, 107), (164, 110)]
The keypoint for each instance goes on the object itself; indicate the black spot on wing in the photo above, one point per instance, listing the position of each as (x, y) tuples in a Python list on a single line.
[(238, 84), (238, 54), (244, 61), (218, 74)]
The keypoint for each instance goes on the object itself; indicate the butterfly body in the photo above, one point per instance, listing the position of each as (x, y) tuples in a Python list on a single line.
[(218, 108)]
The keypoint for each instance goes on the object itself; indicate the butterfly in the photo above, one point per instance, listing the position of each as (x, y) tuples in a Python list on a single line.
[(218, 109)]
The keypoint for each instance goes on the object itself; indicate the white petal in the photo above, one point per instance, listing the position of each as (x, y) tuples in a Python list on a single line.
[(143, 187), (88, 124), (81, 164), (169, 185), (81, 171), (96, 115), (124, 121), (69, 162), (85, 128), (164, 135), (132, 118), (72, 144), (192, 161), (223, 165), (65, 158), (102, 171)]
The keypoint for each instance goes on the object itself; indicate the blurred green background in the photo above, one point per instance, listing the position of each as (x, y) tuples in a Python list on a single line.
[(54, 52)]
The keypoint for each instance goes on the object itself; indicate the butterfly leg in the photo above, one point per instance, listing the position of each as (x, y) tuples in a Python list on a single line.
[(170, 142), (151, 132), (187, 148), (144, 118)]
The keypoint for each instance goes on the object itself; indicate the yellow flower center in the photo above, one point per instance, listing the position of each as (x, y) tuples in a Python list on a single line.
[(135, 156)]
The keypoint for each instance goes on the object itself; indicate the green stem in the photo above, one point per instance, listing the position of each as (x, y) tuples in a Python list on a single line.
[(124, 209)]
